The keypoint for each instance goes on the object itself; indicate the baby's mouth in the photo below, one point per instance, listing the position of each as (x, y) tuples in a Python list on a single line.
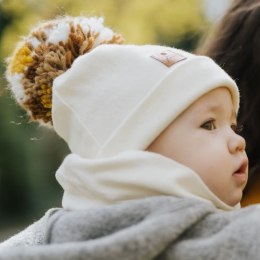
[(241, 173)]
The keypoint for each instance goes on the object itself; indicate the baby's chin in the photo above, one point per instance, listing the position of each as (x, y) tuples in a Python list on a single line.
[(234, 199)]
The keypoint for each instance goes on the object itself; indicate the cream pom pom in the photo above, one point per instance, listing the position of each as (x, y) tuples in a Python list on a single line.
[(46, 53)]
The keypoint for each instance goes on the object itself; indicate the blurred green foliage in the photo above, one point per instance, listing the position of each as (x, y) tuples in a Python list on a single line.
[(30, 155), (153, 21)]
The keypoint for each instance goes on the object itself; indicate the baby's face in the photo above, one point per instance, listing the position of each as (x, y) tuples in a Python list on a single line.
[(204, 138)]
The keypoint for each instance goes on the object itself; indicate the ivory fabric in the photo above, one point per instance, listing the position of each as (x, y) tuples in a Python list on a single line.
[(91, 183)]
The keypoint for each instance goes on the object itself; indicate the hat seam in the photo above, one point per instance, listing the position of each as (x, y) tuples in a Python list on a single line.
[(78, 119)]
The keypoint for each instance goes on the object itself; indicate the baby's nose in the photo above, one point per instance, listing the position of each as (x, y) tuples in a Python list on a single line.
[(237, 144)]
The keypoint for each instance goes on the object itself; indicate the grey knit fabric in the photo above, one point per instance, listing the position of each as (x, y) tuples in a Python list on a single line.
[(152, 228)]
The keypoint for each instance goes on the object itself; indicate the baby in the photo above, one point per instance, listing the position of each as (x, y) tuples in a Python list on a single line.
[(141, 121), (204, 138)]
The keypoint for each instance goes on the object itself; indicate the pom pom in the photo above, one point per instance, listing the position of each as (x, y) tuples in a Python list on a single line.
[(46, 53)]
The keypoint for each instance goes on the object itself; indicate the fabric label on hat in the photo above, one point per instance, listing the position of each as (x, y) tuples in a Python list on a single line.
[(168, 57)]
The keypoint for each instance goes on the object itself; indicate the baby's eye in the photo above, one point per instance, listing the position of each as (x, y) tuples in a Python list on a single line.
[(237, 128), (209, 125)]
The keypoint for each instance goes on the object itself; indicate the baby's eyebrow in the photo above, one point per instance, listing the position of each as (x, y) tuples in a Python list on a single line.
[(214, 107), (217, 108)]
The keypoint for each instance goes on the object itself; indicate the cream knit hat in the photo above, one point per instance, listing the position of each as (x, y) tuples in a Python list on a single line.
[(115, 97)]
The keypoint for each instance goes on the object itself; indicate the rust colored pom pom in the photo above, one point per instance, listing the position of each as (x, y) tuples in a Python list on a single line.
[(46, 53)]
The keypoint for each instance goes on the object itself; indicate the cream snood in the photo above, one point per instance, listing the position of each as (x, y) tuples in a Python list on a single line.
[(127, 176), (111, 104)]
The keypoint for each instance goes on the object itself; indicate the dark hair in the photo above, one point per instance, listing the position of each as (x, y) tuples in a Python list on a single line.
[(235, 46)]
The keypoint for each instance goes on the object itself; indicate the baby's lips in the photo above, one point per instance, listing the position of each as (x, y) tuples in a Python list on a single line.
[(243, 167)]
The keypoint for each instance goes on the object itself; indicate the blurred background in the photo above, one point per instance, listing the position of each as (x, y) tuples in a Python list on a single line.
[(29, 154)]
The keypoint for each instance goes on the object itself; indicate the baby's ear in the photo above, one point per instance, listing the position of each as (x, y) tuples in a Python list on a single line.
[(47, 52)]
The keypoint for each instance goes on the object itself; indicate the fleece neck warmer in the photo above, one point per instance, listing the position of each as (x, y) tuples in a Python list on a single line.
[(128, 176)]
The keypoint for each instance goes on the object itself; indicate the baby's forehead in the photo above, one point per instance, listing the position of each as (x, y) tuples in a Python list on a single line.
[(218, 108), (216, 101)]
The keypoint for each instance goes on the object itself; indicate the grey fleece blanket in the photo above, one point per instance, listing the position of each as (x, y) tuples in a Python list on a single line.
[(154, 228)]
